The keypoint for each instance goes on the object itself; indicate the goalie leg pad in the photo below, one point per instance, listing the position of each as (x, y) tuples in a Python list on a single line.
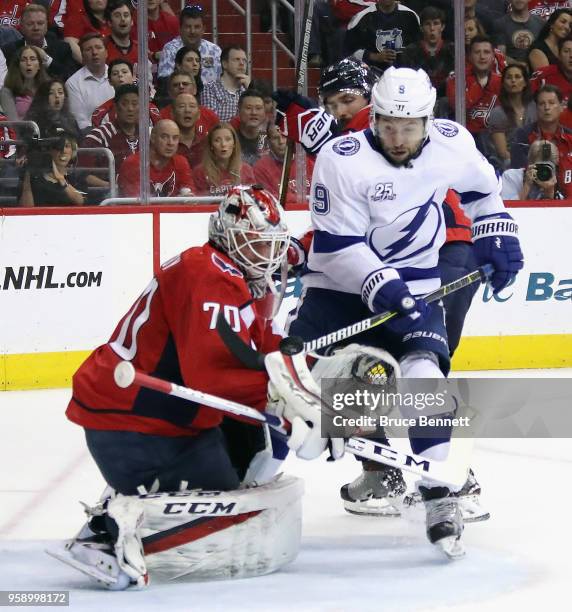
[(218, 535)]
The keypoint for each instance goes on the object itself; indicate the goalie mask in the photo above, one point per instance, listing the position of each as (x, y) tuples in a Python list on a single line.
[(248, 227)]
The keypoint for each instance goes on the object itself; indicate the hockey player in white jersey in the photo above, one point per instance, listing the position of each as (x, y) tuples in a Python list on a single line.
[(376, 210)]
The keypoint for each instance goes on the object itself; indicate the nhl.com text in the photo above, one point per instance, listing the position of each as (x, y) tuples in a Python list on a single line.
[(45, 277)]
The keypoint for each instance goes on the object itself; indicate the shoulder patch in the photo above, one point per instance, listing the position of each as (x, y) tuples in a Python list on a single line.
[(224, 266), (446, 128), (347, 146)]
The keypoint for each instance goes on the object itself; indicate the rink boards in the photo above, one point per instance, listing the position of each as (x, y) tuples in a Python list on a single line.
[(67, 277)]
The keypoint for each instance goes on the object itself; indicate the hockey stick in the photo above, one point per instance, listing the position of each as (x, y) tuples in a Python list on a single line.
[(126, 375), (255, 361), (301, 70)]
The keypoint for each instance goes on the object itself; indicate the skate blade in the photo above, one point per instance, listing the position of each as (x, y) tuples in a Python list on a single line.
[(66, 557), (373, 507), (451, 547), (471, 509)]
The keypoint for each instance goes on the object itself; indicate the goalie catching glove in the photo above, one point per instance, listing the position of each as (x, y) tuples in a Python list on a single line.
[(294, 395)]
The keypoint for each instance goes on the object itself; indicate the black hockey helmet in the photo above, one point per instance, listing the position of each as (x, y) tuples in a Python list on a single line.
[(348, 74)]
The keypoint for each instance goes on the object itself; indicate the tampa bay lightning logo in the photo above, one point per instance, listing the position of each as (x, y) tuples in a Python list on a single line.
[(222, 265), (446, 128), (417, 229), (347, 146)]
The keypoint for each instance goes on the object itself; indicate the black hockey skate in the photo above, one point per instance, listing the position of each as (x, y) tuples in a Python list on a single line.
[(443, 520), (469, 501), (377, 491)]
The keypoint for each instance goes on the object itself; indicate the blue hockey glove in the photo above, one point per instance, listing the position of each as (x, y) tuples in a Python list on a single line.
[(384, 290), (496, 242)]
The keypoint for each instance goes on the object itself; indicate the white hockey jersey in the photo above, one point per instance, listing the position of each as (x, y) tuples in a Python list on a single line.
[(368, 214)]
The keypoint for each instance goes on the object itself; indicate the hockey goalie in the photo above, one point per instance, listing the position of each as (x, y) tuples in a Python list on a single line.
[(190, 493)]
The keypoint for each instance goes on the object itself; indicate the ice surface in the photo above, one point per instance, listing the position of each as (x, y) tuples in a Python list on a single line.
[(519, 560)]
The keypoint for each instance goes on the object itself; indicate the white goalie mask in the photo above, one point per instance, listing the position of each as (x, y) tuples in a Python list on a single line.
[(248, 227)]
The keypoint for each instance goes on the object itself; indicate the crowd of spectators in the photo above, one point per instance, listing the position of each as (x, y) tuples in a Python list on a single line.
[(71, 67)]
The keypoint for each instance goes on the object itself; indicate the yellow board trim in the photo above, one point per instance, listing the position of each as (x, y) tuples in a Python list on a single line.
[(513, 352), (52, 370), (39, 370)]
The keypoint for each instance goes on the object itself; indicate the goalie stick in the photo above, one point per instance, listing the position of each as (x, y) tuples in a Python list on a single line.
[(301, 70), (126, 375), (255, 361)]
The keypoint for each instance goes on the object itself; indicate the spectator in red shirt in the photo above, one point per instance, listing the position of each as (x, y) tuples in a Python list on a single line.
[(194, 123), (169, 173), (119, 72), (121, 41), (163, 27), (179, 83), (89, 18), (222, 166), (120, 136), (559, 74), (473, 28), (482, 85)]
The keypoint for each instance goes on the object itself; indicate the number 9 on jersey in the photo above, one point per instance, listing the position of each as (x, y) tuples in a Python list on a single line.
[(321, 200)]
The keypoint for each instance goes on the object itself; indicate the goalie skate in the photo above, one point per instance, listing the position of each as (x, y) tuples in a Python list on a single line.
[(468, 498), (377, 491), (93, 556), (443, 520)]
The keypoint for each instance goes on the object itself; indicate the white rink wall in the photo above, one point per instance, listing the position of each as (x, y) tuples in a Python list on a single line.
[(66, 279)]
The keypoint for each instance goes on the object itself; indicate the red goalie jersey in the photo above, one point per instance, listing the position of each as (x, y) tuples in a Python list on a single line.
[(170, 332)]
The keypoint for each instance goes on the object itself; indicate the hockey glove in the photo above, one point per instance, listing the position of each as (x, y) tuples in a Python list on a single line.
[(294, 395), (301, 121), (384, 290), (296, 255), (496, 242)]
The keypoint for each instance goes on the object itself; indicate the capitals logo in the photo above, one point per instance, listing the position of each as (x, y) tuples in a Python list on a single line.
[(166, 188), (224, 266)]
